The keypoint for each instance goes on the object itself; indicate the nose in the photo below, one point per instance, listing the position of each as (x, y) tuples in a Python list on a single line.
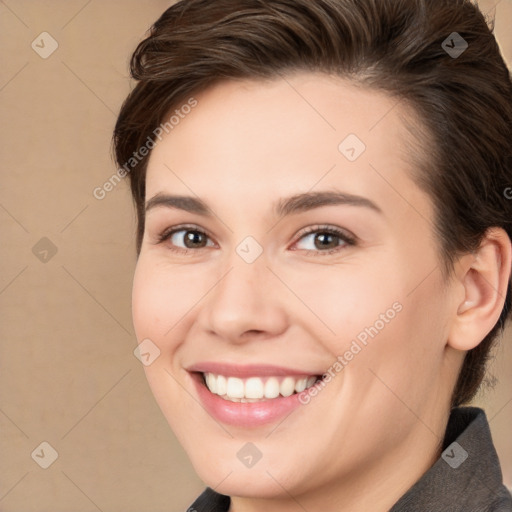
[(245, 303)]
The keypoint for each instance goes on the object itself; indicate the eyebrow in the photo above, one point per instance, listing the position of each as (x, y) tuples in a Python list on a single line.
[(283, 207)]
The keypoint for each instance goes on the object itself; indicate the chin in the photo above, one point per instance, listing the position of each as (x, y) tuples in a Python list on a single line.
[(246, 483), (267, 478)]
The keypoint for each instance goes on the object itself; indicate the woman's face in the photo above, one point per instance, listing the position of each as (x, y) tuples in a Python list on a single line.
[(265, 289)]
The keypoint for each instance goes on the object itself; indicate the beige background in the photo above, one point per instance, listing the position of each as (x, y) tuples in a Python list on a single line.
[(68, 373)]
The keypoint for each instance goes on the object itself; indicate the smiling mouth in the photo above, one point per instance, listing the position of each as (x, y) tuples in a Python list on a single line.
[(257, 389)]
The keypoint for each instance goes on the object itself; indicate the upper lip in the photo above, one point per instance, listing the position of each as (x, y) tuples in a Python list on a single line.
[(246, 370)]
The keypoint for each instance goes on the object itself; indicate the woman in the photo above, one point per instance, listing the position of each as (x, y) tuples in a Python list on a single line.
[(324, 251)]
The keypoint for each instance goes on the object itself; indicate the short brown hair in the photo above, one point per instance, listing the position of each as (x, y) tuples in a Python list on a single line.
[(463, 102)]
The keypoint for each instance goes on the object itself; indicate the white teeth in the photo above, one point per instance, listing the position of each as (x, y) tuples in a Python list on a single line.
[(287, 386), (220, 384), (301, 385), (272, 388), (211, 382), (310, 381), (235, 388), (255, 389)]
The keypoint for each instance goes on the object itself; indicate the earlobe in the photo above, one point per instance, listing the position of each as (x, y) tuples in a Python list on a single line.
[(484, 277)]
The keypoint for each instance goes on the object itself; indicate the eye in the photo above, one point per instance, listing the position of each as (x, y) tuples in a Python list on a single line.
[(324, 239), (317, 239), (185, 238)]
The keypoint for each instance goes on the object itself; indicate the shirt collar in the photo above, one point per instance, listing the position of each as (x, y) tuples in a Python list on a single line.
[(467, 475)]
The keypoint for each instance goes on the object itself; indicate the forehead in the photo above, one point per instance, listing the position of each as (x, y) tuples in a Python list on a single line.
[(286, 135)]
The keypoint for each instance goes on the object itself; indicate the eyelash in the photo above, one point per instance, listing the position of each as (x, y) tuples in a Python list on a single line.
[(347, 239)]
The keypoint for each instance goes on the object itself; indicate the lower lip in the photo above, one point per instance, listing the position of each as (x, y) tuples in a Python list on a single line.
[(249, 414)]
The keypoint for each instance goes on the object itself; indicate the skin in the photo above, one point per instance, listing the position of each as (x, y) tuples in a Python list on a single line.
[(376, 427)]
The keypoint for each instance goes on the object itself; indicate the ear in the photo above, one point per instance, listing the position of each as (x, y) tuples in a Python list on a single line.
[(483, 277)]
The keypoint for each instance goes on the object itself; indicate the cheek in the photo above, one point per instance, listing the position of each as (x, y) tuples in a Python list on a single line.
[(163, 299), (338, 302), (147, 304), (402, 352), (378, 313)]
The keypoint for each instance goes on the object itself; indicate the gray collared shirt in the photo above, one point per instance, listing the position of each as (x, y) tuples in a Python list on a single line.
[(466, 478)]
